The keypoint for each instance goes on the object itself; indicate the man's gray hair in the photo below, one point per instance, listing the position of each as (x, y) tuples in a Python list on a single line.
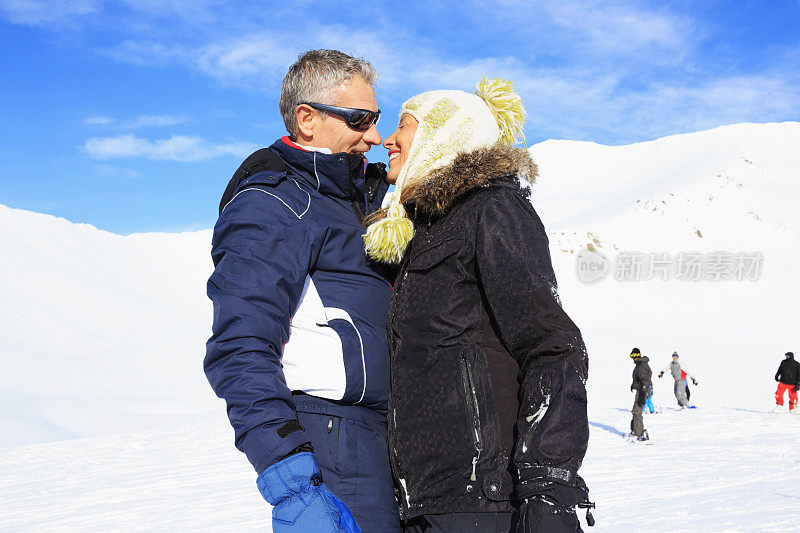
[(315, 77)]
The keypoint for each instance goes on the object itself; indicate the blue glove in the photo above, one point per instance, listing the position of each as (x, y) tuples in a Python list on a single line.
[(301, 501)]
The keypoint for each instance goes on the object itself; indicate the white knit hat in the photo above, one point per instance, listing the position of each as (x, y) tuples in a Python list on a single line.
[(450, 123)]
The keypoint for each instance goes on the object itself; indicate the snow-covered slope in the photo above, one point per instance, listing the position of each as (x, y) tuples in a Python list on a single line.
[(100, 333), (108, 421)]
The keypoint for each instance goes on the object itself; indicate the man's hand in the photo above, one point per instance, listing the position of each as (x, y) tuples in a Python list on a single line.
[(797, 388), (661, 373), (641, 398), (694, 381), (301, 501)]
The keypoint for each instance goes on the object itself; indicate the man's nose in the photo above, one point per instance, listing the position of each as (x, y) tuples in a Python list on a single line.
[(372, 136)]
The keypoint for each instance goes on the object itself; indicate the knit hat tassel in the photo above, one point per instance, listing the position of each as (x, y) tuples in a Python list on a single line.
[(386, 239)]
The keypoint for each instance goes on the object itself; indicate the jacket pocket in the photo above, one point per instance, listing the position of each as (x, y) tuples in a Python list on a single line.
[(429, 255), (473, 412), (355, 366)]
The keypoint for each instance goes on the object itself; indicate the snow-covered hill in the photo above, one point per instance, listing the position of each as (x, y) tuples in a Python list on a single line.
[(108, 422), (100, 333)]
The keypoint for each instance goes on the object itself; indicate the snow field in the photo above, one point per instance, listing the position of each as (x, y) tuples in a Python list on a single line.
[(190, 478), (708, 469)]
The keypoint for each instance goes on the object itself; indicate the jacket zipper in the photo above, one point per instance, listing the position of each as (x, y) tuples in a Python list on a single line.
[(474, 412), (394, 456)]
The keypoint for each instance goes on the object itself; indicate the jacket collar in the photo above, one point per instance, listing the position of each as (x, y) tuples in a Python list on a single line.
[(469, 171), (340, 175)]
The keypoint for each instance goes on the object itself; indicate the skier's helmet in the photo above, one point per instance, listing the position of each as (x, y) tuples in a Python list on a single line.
[(636, 353)]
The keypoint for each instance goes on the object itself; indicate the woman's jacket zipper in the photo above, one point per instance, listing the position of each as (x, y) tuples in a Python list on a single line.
[(474, 412), (394, 457)]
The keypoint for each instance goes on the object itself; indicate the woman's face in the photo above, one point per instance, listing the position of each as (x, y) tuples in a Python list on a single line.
[(398, 144)]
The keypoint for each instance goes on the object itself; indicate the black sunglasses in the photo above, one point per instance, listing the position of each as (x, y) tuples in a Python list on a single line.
[(358, 119)]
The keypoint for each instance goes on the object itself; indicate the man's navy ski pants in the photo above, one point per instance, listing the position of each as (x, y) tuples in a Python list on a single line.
[(350, 444)]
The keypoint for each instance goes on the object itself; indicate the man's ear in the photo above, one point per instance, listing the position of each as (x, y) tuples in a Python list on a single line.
[(305, 117)]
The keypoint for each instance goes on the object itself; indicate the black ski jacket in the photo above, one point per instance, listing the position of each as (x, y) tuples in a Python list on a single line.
[(488, 397), (642, 375), (789, 371)]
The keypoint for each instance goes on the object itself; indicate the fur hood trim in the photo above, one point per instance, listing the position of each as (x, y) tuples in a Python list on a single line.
[(439, 191)]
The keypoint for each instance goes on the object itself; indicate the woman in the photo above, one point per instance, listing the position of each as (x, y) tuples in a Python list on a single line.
[(487, 414)]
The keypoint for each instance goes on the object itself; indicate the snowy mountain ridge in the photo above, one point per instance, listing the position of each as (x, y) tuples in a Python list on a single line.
[(744, 171)]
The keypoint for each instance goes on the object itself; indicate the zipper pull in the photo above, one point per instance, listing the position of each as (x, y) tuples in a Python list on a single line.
[(588, 506), (473, 477)]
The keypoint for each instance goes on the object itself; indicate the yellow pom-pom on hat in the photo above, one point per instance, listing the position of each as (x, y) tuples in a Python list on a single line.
[(386, 239), (506, 106)]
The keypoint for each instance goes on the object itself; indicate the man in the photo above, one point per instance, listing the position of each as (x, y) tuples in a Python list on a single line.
[(299, 349), (643, 386), (788, 378), (679, 374)]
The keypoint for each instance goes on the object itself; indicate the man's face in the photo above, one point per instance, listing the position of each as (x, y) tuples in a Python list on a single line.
[(333, 132)]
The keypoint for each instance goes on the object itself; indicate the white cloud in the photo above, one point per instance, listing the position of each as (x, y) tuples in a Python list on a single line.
[(142, 121), (154, 121), (145, 53), (98, 121), (591, 106), (254, 56), (40, 12), (260, 60), (622, 26), (176, 148)]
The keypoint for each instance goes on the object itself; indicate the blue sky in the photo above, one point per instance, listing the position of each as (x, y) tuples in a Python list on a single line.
[(132, 115)]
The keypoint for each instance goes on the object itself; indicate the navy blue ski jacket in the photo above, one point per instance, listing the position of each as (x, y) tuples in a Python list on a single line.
[(297, 306)]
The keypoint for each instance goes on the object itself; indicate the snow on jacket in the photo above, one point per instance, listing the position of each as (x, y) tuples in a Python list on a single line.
[(642, 375), (296, 305), (788, 371), (488, 371), (678, 372)]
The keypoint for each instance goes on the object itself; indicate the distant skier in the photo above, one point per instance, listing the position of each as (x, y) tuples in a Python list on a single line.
[(679, 374), (643, 386), (788, 378)]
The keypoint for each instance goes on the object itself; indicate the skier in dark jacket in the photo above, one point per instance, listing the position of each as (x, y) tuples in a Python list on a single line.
[(487, 409), (643, 386), (788, 378)]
